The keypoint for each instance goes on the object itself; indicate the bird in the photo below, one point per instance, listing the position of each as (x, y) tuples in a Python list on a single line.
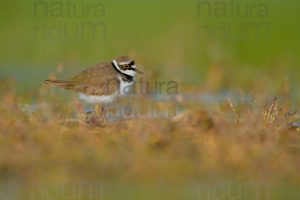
[(103, 82)]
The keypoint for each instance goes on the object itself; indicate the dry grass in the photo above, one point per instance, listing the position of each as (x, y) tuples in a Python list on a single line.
[(230, 142)]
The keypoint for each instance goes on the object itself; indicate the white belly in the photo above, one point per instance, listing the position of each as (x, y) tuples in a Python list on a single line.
[(93, 99), (125, 88)]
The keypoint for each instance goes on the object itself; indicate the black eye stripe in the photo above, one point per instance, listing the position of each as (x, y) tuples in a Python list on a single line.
[(128, 66), (124, 66)]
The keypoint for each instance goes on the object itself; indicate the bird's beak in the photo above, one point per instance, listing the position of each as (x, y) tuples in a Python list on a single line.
[(138, 71)]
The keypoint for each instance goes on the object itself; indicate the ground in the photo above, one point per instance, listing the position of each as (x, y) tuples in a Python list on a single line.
[(226, 152)]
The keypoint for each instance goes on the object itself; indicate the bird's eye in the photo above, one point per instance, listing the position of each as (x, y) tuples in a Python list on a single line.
[(126, 66)]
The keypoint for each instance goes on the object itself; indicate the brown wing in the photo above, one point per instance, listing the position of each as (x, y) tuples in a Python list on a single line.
[(99, 80)]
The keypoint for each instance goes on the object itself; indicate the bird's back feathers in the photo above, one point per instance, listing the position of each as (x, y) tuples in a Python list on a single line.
[(60, 83), (98, 80)]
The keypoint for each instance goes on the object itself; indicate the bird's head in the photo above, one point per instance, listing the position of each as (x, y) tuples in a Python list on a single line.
[(125, 65)]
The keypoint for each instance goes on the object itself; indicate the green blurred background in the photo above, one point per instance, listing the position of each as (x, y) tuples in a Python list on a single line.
[(174, 40), (252, 45)]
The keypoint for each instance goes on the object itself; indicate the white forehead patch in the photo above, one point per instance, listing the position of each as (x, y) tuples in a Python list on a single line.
[(124, 63)]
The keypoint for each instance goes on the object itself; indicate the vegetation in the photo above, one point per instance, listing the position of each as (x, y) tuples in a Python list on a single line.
[(226, 150)]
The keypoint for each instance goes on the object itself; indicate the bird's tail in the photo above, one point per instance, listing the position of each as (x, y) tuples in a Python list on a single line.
[(60, 83)]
